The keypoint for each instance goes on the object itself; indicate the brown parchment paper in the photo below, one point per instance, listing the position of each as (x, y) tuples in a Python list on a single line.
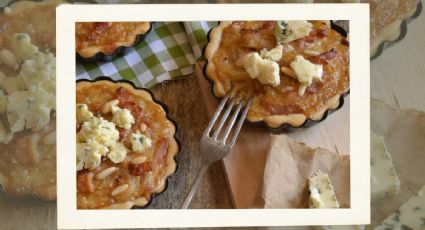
[(404, 136), (288, 166)]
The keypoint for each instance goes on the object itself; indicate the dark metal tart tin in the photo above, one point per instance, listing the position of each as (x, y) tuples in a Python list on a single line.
[(120, 51), (403, 31), (104, 78), (284, 128)]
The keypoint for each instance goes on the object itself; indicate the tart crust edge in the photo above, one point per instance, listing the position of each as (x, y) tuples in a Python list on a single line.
[(391, 32), (91, 51)]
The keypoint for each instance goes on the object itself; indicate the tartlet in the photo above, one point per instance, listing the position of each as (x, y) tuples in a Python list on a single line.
[(280, 106), (140, 174), (389, 22), (28, 156), (103, 41)]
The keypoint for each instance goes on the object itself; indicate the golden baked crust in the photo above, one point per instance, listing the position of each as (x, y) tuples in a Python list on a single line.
[(143, 179), (282, 104), (386, 19), (107, 37), (37, 19), (28, 162)]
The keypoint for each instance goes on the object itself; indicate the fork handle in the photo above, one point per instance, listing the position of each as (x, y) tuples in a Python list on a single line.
[(194, 186)]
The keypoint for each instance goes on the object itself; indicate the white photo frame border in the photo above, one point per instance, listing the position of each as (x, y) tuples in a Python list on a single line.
[(69, 217)]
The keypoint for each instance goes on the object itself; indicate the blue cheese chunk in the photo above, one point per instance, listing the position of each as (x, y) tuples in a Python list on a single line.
[(117, 152), (122, 117), (291, 30), (274, 54), (31, 93), (22, 47), (384, 181), (101, 136), (9, 59), (322, 193), (28, 109), (306, 72), (99, 130), (83, 113), (264, 70), (39, 70), (89, 155), (410, 216), (140, 142)]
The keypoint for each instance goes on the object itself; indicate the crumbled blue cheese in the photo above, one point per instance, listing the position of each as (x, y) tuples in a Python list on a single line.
[(322, 193), (411, 215), (384, 181), (117, 152), (274, 54), (99, 130), (8, 58), (306, 72), (264, 70), (83, 113), (292, 30), (39, 70), (31, 93), (101, 136), (140, 142), (89, 155), (11, 84), (22, 47), (122, 117), (29, 109)]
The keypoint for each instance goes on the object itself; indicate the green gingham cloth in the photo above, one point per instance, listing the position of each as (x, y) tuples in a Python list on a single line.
[(169, 51)]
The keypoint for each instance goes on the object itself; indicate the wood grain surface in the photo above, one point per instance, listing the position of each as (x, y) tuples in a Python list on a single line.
[(397, 77)]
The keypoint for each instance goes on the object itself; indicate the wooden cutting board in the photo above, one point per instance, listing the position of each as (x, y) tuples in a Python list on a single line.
[(245, 165)]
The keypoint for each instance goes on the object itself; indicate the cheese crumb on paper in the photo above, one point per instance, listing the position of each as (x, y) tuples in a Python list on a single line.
[(322, 194)]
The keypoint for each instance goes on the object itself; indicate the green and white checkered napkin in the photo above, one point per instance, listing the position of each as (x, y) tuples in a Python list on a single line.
[(168, 52)]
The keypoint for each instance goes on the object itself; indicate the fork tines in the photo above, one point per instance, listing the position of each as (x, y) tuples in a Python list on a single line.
[(237, 103)]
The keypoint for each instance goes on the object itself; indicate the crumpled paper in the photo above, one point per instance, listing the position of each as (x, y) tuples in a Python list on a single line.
[(288, 166), (404, 137)]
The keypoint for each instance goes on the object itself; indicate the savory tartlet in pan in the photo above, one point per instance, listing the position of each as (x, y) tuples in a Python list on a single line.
[(103, 41), (296, 70), (125, 145), (27, 99)]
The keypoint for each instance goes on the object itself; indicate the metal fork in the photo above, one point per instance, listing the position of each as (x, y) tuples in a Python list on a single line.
[(214, 149)]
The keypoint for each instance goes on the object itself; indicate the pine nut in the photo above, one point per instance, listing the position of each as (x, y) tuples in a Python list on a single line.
[(108, 106), (125, 205), (312, 52), (105, 173), (119, 189), (288, 71), (138, 160), (143, 127)]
